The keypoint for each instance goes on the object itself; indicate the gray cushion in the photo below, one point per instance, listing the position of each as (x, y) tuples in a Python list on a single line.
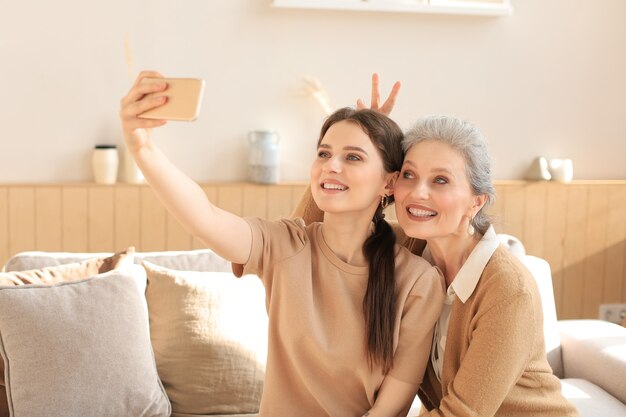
[(591, 400), (80, 348)]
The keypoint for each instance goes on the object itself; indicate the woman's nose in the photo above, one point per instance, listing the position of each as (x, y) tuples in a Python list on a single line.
[(332, 165), (420, 191)]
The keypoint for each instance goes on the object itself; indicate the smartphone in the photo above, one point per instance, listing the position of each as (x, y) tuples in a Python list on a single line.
[(184, 97)]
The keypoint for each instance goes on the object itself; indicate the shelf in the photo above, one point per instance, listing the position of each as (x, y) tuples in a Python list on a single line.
[(405, 6)]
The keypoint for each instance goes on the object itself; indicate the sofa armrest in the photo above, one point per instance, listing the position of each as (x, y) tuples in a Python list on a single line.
[(595, 350)]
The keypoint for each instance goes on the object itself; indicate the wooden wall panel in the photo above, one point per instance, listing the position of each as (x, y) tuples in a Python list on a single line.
[(554, 239), (153, 222), (594, 261), (230, 198), (48, 218), (534, 212), (255, 201), (75, 219), (513, 214), (574, 251), (21, 219), (101, 219), (127, 207), (177, 237), (296, 194), (614, 289), (4, 225), (279, 202), (579, 228)]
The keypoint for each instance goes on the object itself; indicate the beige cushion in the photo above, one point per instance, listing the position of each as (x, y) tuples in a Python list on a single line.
[(209, 334), (189, 260), (69, 272), (80, 348)]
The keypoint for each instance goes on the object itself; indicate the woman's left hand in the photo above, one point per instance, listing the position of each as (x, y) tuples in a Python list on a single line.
[(387, 106)]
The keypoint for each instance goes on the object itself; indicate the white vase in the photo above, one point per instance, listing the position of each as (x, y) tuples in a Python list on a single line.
[(105, 163), (562, 170), (132, 173)]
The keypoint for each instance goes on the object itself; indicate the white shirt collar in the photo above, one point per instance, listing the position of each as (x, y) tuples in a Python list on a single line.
[(467, 278)]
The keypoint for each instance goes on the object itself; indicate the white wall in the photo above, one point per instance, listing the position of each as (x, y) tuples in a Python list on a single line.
[(547, 81)]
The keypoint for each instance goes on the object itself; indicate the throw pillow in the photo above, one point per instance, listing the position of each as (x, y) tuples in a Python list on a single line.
[(69, 272), (80, 348), (209, 334), (62, 273)]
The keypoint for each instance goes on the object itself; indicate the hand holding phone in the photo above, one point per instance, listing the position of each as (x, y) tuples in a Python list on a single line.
[(184, 97)]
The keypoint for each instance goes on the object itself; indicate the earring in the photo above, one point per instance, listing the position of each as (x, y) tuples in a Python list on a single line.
[(470, 229), (384, 201)]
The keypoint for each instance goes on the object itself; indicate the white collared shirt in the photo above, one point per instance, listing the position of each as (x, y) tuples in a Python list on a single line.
[(463, 285)]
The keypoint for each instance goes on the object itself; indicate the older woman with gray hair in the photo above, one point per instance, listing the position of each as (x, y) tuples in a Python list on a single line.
[(488, 353)]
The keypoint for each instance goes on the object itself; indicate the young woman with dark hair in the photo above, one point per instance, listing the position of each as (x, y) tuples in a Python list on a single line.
[(351, 314)]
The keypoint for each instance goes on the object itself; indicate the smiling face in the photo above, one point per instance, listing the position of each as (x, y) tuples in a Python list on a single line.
[(433, 194), (348, 173)]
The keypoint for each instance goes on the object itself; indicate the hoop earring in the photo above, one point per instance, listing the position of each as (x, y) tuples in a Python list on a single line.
[(384, 201), (470, 228)]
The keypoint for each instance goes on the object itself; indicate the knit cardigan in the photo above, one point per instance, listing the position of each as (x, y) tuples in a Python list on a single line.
[(495, 362)]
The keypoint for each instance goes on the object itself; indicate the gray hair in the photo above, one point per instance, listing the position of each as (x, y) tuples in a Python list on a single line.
[(469, 142)]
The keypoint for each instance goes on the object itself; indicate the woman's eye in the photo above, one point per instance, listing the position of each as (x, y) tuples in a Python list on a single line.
[(322, 154), (352, 157), (406, 174), (440, 180)]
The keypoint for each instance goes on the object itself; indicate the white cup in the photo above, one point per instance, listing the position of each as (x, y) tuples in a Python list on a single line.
[(562, 170)]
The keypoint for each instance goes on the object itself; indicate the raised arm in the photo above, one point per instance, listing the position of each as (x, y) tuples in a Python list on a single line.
[(225, 233)]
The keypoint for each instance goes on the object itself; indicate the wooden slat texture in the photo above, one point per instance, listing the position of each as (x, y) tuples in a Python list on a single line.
[(594, 262), (255, 201), (554, 238), (177, 237), (75, 219), (4, 225), (127, 217), (513, 214), (153, 222), (534, 218), (101, 219), (279, 202), (48, 218), (230, 198), (614, 290), (574, 251), (21, 219), (579, 228), (296, 194)]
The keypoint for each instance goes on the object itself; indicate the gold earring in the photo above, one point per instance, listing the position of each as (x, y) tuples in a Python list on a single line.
[(384, 201)]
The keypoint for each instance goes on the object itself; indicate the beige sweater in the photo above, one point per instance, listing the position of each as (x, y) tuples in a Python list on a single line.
[(317, 362), (495, 362)]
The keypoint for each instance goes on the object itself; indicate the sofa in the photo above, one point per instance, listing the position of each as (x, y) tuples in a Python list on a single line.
[(202, 337)]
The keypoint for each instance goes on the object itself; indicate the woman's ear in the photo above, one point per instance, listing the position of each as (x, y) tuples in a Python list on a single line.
[(391, 180), (478, 203)]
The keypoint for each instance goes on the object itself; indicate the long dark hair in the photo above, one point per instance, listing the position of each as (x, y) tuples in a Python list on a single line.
[(379, 302)]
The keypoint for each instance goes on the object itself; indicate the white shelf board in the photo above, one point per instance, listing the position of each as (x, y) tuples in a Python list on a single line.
[(407, 6)]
